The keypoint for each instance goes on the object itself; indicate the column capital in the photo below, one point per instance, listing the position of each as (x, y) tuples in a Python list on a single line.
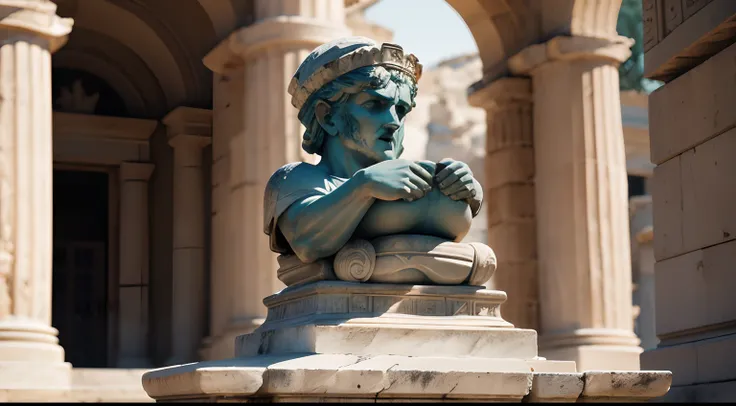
[(136, 171), (242, 43), (37, 17), (189, 127), (489, 94), (615, 50), (195, 142)]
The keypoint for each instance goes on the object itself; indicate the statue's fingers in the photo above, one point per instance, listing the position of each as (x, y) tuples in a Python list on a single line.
[(420, 171), (429, 166), (454, 188), (463, 194), (418, 186), (461, 175), (451, 168)]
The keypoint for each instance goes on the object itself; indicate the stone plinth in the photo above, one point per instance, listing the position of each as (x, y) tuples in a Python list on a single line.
[(343, 341)]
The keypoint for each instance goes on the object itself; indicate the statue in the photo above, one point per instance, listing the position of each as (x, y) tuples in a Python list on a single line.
[(631, 73), (362, 213)]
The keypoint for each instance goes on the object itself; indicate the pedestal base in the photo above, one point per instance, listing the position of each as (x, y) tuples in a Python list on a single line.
[(341, 341)]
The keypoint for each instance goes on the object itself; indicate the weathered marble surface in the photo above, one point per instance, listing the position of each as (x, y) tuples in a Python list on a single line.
[(396, 259), (340, 341)]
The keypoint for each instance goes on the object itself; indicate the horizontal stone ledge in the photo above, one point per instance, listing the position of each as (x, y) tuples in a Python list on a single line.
[(339, 376)]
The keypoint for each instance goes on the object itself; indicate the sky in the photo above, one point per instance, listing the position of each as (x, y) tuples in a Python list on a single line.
[(429, 29)]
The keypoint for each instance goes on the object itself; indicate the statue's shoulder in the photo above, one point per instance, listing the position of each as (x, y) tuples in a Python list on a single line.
[(294, 175), (288, 184)]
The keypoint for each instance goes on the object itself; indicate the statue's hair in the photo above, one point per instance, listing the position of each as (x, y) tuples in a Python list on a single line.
[(338, 91)]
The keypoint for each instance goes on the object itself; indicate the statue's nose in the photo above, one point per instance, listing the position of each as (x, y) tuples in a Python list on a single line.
[(391, 127)]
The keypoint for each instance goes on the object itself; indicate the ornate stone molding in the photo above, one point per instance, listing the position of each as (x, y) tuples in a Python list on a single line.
[(37, 17), (242, 44), (72, 125), (188, 121), (561, 48), (501, 91), (136, 171)]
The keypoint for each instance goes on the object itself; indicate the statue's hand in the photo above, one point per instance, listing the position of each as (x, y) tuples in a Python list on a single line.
[(396, 179), (455, 180)]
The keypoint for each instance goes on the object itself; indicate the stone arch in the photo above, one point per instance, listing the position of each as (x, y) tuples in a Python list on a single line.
[(502, 28), (119, 66), (158, 48), (227, 15)]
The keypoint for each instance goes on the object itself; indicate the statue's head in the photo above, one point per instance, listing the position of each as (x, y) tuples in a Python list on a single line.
[(358, 92)]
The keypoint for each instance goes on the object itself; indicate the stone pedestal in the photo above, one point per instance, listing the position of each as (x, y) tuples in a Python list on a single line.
[(344, 341), (581, 201), (30, 356), (255, 131)]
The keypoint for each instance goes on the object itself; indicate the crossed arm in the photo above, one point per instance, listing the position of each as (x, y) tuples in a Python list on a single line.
[(318, 226)]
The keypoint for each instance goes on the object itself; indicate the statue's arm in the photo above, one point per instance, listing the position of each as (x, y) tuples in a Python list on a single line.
[(318, 226)]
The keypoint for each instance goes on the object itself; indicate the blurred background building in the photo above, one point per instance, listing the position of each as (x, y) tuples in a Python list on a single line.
[(136, 141)]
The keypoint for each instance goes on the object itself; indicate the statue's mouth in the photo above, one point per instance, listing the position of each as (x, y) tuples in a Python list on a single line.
[(387, 137)]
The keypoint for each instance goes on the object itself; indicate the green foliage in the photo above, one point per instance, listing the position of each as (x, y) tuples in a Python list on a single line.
[(631, 72)]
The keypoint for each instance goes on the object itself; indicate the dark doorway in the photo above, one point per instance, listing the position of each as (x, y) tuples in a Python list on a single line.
[(80, 269)]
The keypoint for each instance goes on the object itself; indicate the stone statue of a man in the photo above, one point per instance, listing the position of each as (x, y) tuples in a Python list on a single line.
[(353, 96)]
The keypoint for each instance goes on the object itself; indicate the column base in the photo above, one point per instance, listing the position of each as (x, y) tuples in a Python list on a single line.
[(594, 349)]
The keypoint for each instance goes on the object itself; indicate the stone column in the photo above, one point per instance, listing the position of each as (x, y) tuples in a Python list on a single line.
[(133, 279), (255, 130), (642, 251), (509, 194), (189, 130), (30, 356), (581, 201)]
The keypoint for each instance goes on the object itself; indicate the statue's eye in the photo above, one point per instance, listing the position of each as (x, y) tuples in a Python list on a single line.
[(372, 104)]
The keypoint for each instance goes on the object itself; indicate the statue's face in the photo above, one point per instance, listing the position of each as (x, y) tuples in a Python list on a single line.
[(372, 122)]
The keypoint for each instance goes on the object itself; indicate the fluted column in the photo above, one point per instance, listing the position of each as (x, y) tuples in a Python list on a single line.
[(581, 201), (509, 194), (189, 131), (30, 32), (256, 131), (134, 276)]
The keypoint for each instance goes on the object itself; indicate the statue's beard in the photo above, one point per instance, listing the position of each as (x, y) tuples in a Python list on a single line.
[(351, 133)]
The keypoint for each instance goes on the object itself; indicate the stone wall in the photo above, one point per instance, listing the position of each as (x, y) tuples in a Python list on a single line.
[(690, 46)]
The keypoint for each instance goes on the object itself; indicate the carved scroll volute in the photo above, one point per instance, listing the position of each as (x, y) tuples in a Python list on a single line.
[(355, 262)]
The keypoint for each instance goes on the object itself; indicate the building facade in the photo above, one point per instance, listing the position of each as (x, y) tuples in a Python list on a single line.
[(690, 46), (136, 138)]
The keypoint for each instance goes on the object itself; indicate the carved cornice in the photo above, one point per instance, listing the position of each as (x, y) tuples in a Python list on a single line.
[(615, 50), (37, 17), (188, 121), (136, 171), (102, 127), (243, 43), (500, 91)]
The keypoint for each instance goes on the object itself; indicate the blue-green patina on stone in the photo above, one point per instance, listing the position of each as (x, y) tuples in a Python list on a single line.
[(361, 189)]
